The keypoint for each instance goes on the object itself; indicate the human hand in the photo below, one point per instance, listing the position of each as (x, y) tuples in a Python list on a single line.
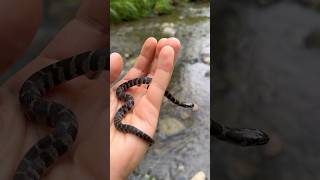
[(87, 158), (156, 60)]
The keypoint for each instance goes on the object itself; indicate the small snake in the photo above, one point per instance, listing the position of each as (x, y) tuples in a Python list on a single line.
[(60, 119), (238, 136), (129, 103)]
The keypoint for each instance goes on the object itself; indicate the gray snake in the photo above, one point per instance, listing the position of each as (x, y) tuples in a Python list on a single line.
[(238, 136), (129, 103), (60, 119)]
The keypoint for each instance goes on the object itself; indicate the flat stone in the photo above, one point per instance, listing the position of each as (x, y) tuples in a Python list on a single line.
[(199, 176), (170, 126)]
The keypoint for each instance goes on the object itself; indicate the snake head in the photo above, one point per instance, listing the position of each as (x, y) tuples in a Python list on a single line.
[(247, 137)]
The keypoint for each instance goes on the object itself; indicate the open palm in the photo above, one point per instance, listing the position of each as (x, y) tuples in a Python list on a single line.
[(87, 158), (156, 60)]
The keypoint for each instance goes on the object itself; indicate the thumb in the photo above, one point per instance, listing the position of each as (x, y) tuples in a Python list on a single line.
[(116, 65)]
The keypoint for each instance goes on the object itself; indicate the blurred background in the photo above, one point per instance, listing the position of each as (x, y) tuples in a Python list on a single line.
[(55, 15), (182, 147), (266, 75)]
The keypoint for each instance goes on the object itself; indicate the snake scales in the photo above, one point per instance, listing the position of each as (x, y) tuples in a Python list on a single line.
[(61, 119), (129, 103), (238, 136)]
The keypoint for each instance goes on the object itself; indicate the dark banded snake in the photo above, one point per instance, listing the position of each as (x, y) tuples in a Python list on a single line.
[(129, 103), (238, 136), (59, 118)]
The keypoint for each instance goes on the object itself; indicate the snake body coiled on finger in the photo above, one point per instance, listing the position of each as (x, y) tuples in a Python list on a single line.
[(129, 104), (59, 118)]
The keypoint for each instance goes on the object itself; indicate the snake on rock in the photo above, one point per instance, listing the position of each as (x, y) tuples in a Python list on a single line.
[(238, 136), (129, 103), (59, 118)]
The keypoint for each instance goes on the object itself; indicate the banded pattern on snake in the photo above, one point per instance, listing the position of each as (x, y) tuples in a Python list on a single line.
[(238, 136), (129, 103), (61, 119)]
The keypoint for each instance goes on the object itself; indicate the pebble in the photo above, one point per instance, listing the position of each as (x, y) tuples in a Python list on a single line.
[(169, 31), (206, 60), (199, 176), (170, 126), (148, 177), (168, 28), (126, 55), (181, 167)]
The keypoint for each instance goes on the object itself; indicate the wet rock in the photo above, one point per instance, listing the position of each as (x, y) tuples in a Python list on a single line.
[(148, 177), (185, 115), (168, 29), (312, 40), (181, 167), (166, 24), (126, 55), (206, 60), (170, 126), (199, 176)]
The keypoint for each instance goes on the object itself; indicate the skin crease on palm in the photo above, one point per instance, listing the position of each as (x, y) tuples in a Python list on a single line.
[(87, 31)]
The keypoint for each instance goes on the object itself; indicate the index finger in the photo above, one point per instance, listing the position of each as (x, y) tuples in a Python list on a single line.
[(161, 77), (144, 60)]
